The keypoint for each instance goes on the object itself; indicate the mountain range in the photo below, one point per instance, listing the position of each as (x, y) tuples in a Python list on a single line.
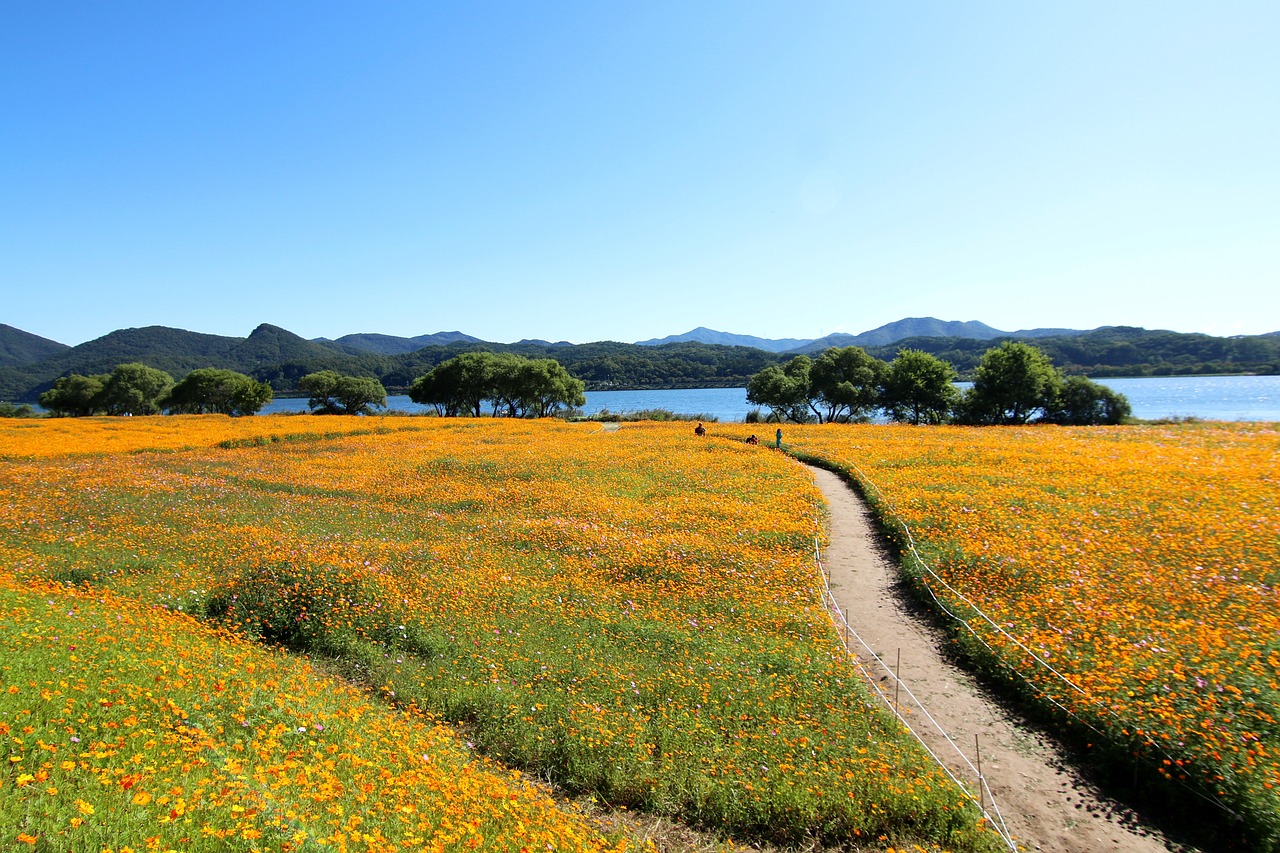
[(699, 358), (911, 327)]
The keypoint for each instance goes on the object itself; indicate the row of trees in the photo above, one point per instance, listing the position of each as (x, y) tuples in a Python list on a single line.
[(136, 389), (1014, 383), (516, 386)]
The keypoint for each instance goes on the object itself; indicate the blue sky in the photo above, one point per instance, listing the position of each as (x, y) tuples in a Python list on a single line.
[(620, 171)]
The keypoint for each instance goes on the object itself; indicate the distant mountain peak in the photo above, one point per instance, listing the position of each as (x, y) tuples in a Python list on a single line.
[(19, 347), (703, 335), (373, 342)]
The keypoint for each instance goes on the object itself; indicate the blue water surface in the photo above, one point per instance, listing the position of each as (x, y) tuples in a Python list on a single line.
[(1218, 398)]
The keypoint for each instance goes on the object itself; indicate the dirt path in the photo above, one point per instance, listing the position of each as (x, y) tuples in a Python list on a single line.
[(1044, 804)]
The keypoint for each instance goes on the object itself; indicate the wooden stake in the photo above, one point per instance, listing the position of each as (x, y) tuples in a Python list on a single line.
[(897, 679), (982, 794)]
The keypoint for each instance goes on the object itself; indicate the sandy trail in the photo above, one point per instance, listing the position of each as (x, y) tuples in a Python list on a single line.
[(1044, 804)]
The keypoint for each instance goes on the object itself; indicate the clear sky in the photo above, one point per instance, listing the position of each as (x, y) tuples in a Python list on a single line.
[(627, 170)]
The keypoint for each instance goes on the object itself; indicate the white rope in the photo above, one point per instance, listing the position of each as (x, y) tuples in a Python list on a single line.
[(996, 655), (994, 817)]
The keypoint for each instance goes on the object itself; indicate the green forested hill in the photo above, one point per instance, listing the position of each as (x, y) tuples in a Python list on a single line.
[(1119, 351), (609, 364), (269, 353), (19, 347), (277, 356)]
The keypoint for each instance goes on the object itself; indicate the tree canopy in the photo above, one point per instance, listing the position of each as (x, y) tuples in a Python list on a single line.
[(519, 386), (1082, 402), (784, 389), (918, 388), (75, 396), (331, 393), (1013, 382), (844, 385), (134, 389), (839, 386), (213, 391)]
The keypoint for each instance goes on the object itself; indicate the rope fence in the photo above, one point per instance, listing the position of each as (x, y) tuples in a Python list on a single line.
[(1015, 674), (993, 814)]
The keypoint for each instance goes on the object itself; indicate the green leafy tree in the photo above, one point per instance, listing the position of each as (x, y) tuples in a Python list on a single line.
[(1083, 402), (521, 386), (844, 385), (9, 410), (784, 389), (75, 396), (210, 390), (134, 389), (458, 385), (917, 388), (331, 393), (537, 388), (1013, 382)]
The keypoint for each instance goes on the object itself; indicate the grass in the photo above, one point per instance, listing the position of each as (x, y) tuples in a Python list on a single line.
[(631, 616), (135, 728), (1129, 576)]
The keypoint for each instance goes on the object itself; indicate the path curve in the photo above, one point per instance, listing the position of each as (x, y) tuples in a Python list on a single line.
[(1045, 805)]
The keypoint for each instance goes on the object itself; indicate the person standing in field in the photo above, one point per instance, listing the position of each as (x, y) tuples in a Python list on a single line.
[(699, 429), (777, 439)]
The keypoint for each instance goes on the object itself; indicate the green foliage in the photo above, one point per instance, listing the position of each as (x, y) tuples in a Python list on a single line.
[(459, 385), (1081, 402), (1118, 351), (521, 386), (9, 410), (536, 388), (213, 391), (75, 395), (30, 365), (291, 606), (335, 394), (19, 347), (134, 389), (1013, 383), (785, 390), (840, 386), (844, 385), (917, 388)]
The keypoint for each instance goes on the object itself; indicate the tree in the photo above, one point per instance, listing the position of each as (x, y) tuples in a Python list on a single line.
[(537, 388), (1083, 402), (134, 389), (523, 387), (1012, 383), (917, 388), (213, 391), (9, 410), (844, 385), (331, 393), (785, 389), (75, 396), (458, 385)]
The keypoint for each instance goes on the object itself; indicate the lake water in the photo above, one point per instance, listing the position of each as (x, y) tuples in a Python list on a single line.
[(1218, 398)]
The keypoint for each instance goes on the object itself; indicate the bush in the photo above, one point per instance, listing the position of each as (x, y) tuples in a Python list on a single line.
[(9, 410)]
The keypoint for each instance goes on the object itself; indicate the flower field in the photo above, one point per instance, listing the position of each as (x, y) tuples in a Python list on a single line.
[(128, 728), (634, 615), (74, 436), (1131, 576)]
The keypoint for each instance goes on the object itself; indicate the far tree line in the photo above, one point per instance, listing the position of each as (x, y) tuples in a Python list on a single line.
[(1014, 383), (515, 386)]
